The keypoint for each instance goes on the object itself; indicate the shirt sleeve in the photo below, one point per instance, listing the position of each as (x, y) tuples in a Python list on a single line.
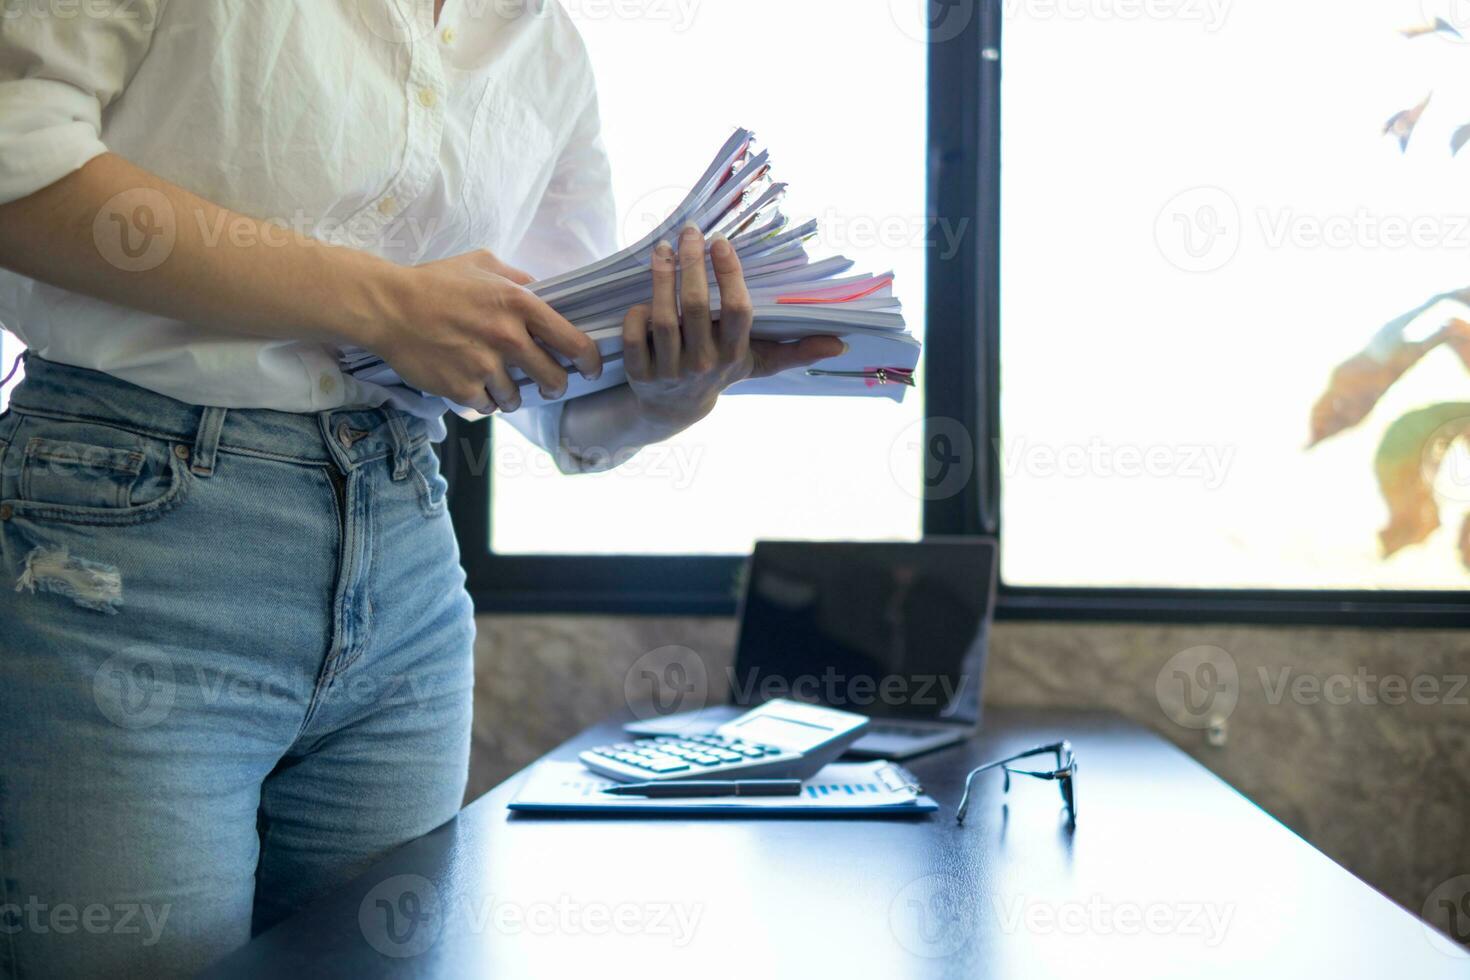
[(60, 67), (575, 224)]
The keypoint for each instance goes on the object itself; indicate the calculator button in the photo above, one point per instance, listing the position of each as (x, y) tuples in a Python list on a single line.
[(668, 765)]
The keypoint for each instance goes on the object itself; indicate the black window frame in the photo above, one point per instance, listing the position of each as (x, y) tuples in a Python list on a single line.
[(962, 383)]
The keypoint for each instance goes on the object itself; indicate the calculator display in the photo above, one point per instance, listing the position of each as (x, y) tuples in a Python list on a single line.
[(769, 728)]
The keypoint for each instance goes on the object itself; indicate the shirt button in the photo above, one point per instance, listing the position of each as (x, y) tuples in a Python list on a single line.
[(428, 98), (327, 383), (388, 205), (448, 35)]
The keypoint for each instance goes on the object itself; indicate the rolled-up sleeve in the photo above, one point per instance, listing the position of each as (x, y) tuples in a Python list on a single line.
[(575, 224), (61, 65)]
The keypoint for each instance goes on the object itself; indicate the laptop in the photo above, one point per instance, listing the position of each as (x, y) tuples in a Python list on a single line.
[(895, 631)]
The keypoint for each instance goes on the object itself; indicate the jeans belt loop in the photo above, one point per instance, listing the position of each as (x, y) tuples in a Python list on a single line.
[(206, 443), (401, 459)]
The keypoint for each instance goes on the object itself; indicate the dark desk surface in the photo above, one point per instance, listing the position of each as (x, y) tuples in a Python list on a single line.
[(1169, 873)]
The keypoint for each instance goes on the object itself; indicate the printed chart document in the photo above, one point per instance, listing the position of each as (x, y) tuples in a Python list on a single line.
[(868, 788), (794, 296)]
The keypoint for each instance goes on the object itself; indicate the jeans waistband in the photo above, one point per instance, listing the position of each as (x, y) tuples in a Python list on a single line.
[(346, 437)]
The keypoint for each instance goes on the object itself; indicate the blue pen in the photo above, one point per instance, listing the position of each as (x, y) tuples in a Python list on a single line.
[(709, 787)]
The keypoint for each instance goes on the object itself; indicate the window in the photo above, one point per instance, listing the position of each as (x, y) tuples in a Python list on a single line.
[(1201, 218), (842, 112), (1180, 218)]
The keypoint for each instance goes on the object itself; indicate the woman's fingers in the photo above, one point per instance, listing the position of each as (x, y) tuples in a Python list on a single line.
[(507, 393), (773, 357), (699, 336), (666, 340), (541, 368), (490, 262), (735, 308), (556, 332), (636, 357)]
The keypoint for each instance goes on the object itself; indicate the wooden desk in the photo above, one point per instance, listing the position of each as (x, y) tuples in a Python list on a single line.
[(1169, 873)]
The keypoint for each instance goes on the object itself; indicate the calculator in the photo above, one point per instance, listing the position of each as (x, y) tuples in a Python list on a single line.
[(782, 739)]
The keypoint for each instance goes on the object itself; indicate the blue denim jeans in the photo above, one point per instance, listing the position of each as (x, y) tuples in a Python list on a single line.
[(235, 667)]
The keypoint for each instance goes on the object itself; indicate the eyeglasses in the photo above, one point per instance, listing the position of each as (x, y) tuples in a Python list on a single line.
[(1065, 774)]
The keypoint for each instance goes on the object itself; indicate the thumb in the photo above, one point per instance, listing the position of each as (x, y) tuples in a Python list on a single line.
[(774, 357)]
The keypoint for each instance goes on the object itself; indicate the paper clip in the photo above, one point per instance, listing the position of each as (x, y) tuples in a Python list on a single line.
[(876, 376)]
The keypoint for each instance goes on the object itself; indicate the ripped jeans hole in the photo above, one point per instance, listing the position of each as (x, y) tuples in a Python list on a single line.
[(90, 584)]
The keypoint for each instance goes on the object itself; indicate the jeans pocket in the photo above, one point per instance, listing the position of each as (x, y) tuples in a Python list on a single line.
[(85, 473)]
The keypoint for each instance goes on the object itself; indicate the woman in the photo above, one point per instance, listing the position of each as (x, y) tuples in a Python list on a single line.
[(235, 665)]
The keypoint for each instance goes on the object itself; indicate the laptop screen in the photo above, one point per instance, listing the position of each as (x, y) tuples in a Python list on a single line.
[(886, 630)]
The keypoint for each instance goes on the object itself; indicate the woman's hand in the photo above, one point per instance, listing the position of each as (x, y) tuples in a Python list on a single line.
[(460, 324), (677, 369)]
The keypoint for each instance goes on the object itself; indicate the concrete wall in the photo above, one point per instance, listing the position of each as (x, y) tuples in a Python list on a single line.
[(1315, 736)]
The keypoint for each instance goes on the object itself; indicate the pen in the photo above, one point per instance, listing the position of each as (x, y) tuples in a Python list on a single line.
[(709, 787)]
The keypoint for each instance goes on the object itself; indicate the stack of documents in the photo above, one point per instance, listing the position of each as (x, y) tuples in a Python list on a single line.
[(793, 295), (882, 789)]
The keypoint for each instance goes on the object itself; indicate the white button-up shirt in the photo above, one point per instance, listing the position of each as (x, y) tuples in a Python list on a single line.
[(359, 122)]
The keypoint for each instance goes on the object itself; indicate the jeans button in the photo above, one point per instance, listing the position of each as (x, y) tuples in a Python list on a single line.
[(344, 434)]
